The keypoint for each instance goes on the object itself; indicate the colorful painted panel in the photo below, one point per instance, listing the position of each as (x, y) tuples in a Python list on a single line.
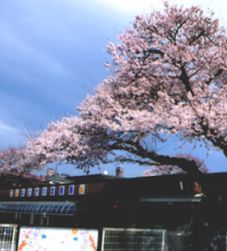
[(57, 239)]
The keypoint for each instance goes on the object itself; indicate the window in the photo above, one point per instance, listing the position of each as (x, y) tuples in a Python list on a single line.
[(29, 192), (11, 193), (52, 191), (131, 239), (36, 192), (61, 190), (22, 192), (71, 190), (17, 193), (44, 191), (8, 234)]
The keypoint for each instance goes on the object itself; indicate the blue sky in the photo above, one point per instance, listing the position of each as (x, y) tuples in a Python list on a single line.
[(53, 54)]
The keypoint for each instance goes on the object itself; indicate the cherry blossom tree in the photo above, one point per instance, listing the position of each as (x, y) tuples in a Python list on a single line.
[(171, 169), (168, 76), (17, 161)]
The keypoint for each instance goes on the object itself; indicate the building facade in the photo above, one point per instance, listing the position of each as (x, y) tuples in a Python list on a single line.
[(106, 213)]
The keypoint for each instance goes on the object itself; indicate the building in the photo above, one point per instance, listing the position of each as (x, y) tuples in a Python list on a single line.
[(107, 213)]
